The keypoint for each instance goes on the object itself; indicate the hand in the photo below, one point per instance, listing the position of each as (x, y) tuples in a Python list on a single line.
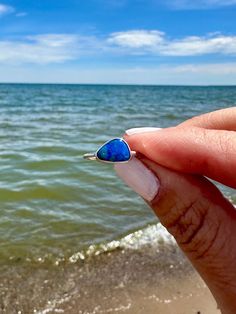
[(170, 174)]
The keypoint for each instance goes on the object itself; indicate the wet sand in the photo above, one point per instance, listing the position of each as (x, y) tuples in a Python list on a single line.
[(151, 280)]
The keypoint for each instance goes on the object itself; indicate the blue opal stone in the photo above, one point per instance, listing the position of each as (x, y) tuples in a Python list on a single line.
[(115, 150)]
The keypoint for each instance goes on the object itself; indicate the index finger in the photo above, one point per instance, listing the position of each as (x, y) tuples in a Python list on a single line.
[(224, 119), (192, 150)]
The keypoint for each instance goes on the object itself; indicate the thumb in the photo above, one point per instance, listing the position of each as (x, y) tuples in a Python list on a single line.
[(195, 212)]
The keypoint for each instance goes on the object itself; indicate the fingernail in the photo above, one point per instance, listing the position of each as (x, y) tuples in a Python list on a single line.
[(139, 178), (141, 130)]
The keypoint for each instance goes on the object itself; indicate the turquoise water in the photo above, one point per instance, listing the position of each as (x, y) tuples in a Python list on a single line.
[(52, 202)]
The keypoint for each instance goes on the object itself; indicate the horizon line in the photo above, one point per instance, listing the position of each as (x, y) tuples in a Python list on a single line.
[(118, 84)]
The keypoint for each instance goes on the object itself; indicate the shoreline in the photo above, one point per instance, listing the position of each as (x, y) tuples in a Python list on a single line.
[(152, 280)]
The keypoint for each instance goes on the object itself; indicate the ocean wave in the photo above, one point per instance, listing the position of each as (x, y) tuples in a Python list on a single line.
[(152, 235)]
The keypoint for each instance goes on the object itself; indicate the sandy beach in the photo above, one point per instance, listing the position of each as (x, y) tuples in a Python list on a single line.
[(151, 280)]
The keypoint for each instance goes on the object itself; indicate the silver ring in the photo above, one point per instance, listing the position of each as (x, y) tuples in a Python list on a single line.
[(115, 150)]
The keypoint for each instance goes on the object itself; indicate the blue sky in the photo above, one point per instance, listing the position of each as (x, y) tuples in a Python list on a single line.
[(118, 41)]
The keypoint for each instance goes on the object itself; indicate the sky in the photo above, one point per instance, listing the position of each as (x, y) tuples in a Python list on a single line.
[(159, 42)]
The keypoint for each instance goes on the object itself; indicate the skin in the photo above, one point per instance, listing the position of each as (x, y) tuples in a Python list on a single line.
[(191, 207)]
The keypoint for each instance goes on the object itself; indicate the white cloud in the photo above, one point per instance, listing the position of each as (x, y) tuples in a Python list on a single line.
[(60, 48), (192, 46), (157, 43), (199, 4), (49, 48), (54, 40), (137, 38), (5, 9)]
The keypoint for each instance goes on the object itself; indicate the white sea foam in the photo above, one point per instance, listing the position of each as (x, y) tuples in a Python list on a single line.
[(152, 235)]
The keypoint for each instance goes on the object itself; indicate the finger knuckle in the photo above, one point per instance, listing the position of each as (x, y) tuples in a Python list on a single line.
[(193, 229)]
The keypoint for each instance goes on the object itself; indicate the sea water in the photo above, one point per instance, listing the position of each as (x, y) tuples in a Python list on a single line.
[(56, 207)]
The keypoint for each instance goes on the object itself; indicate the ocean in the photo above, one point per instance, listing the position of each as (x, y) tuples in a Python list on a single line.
[(57, 208)]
